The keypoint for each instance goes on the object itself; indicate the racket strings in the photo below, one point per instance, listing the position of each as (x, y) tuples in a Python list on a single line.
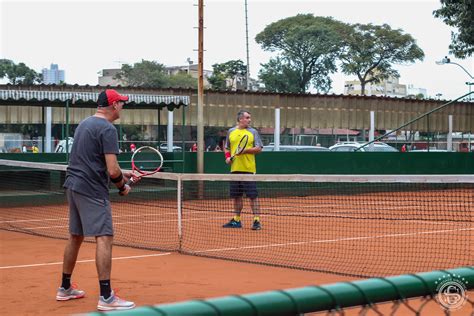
[(147, 160), (242, 144)]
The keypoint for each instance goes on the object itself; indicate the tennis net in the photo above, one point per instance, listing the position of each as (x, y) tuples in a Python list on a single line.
[(363, 226)]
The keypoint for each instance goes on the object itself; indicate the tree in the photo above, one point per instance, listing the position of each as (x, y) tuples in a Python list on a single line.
[(217, 80), (145, 73), (307, 46), (182, 80), (459, 14), (372, 49), (18, 74), (153, 74), (233, 70), (279, 76)]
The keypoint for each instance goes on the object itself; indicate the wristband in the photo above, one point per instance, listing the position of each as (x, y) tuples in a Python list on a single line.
[(227, 155), (118, 179)]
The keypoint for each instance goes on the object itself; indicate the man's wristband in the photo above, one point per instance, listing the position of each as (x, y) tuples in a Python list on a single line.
[(227, 155), (117, 179)]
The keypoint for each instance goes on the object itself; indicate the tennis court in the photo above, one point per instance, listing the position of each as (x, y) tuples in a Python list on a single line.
[(31, 271), (315, 231)]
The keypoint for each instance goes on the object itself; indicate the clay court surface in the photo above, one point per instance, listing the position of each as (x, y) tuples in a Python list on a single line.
[(370, 235), (31, 269), (150, 278), (397, 234)]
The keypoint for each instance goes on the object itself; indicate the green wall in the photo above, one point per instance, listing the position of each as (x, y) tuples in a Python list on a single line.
[(308, 162), (345, 163)]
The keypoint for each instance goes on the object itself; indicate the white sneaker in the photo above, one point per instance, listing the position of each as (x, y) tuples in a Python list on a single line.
[(69, 294), (114, 303)]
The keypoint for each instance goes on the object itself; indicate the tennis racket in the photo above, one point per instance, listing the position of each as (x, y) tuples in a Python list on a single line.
[(241, 146), (146, 161)]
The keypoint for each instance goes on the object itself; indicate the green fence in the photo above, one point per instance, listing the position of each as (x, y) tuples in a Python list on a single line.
[(307, 162), (345, 163), (332, 297)]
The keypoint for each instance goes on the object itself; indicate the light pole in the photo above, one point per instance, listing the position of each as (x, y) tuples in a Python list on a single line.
[(446, 60), (247, 46)]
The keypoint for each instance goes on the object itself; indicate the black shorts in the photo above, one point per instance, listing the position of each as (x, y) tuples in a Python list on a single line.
[(238, 188)]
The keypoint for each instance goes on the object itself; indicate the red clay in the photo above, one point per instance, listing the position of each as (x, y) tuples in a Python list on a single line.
[(147, 280)]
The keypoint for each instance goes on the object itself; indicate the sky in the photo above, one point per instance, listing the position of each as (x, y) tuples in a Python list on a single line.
[(84, 37)]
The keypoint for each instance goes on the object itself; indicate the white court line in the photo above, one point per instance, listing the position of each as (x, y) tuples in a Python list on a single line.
[(82, 261), (334, 240), (67, 218), (224, 217), (341, 208), (131, 223)]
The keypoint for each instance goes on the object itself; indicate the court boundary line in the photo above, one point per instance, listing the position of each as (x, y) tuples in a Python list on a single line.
[(319, 215), (82, 261), (333, 240)]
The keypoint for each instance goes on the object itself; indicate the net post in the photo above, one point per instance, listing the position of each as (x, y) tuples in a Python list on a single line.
[(179, 208)]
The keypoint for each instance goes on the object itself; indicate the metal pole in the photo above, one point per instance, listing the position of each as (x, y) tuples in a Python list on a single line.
[(42, 132), (469, 85), (120, 136), (180, 222), (415, 119), (170, 132), (159, 127), (247, 46), (428, 126), (200, 103), (183, 144), (450, 133), (372, 129), (48, 129), (67, 131), (469, 141), (276, 132)]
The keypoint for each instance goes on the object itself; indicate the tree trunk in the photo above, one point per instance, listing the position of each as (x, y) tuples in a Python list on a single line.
[(362, 87)]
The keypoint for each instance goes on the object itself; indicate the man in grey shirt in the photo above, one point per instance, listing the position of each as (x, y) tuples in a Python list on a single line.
[(93, 161)]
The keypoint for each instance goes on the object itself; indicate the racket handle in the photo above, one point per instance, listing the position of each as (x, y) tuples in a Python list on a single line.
[(130, 181)]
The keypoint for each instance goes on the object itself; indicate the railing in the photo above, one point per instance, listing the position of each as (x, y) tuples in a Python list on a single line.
[(448, 287)]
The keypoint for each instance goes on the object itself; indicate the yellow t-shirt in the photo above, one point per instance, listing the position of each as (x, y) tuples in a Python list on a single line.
[(244, 162)]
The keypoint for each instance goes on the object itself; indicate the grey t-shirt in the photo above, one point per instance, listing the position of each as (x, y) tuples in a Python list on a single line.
[(87, 171)]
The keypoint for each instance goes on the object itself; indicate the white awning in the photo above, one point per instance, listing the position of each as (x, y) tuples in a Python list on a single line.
[(89, 97)]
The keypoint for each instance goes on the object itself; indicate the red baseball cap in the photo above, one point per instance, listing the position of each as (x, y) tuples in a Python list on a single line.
[(109, 96)]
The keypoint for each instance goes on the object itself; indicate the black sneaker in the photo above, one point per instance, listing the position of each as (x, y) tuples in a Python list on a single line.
[(233, 224), (256, 225)]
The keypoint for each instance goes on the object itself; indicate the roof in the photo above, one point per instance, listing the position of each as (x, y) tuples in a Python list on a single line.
[(337, 131), (88, 99), (323, 131)]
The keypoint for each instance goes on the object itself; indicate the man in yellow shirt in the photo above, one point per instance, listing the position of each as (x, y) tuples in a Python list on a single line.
[(34, 148), (244, 163)]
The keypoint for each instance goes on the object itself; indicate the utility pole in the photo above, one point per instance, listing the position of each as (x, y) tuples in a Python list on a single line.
[(200, 103), (247, 45)]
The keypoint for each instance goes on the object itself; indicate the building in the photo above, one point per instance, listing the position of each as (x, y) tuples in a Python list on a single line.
[(389, 87), (190, 69), (53, 75), (107, 78), (414, 91)]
